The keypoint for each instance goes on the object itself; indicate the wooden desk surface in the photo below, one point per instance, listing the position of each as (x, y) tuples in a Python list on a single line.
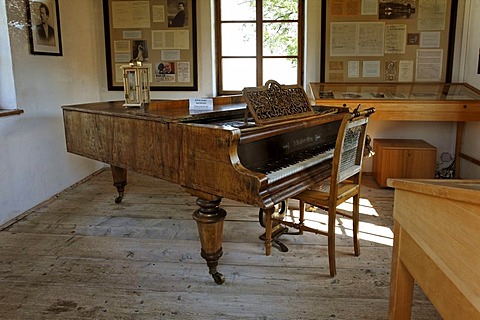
[(405, 101), (437, 244)]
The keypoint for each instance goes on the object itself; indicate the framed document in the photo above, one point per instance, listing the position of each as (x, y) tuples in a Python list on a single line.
[(159, 33), (44, 27)]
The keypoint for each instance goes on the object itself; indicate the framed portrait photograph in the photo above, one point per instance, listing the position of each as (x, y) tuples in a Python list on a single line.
[(44, 26)]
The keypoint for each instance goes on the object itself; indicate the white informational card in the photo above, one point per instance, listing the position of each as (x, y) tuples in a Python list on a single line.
[(201, 104)]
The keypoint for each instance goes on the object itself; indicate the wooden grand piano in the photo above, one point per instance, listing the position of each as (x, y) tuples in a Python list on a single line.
[(259, 160)]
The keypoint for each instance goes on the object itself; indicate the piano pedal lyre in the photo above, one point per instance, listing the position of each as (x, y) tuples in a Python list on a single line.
[(277, 229)]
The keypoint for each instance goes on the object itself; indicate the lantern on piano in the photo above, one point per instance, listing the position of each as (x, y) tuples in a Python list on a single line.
[(136, 84)]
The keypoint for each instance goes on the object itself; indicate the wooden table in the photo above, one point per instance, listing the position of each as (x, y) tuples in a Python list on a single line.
[(457, 102), (436, 244)]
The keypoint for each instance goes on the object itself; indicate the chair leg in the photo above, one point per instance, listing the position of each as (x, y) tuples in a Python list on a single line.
[(356, 218), (301, 206), (332, 211)]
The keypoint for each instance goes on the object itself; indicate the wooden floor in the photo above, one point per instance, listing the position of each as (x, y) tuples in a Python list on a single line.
[(81, 256)]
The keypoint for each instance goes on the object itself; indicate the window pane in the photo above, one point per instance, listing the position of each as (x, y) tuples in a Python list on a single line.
[(243, 57), (280, 9), (284, 71), (238, 39), (238, 74), (280, 39), (238, 10)]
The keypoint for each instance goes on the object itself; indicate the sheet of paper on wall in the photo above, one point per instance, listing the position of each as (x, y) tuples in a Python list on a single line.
[(395, 38), (183, 71), (369, 7), (343, 39), (130, 14), (345, 8), (371, 69), (353, 69), (430, 39), (171, 39), (335, 70), (370, 38), (405, 71), (432, 14), (429, 65), (158, 13), (122, 51)]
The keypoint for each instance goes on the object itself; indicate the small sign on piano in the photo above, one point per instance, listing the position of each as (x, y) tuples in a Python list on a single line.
[(200, 104)]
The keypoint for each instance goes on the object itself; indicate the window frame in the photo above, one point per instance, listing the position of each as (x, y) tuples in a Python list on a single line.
[(259, 56)]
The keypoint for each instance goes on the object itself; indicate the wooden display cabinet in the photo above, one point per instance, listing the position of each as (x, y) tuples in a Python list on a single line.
[(403, 158), (457, 102)]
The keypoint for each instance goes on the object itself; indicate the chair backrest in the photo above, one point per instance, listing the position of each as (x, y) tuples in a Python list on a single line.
[(348, 154)]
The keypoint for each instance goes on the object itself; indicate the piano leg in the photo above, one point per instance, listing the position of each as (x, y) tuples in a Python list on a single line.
[(119, 181), (209, 219)]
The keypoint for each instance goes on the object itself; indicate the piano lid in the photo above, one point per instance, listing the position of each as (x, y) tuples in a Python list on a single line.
[(274, 102), (168, 110)]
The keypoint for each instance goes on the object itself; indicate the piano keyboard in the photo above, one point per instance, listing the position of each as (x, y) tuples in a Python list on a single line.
[(281, 168)]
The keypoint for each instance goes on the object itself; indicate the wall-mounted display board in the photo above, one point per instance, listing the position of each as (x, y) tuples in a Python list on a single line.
[(160, 33), (387, 40)]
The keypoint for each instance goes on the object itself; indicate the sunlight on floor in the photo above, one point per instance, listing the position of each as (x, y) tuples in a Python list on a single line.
[(368, 231), (365, 207)]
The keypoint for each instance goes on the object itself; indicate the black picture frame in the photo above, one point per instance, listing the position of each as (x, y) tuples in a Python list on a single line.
[(44, 40), (154, 40)]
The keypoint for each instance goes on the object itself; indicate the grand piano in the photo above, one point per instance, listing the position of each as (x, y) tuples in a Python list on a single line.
[(244, 149)]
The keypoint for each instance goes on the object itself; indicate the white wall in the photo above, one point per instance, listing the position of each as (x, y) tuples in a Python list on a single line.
[(7, 98), (34, 164)]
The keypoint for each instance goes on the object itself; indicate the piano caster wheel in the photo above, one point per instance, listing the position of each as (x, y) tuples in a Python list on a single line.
[(218, 278), (119, 198)]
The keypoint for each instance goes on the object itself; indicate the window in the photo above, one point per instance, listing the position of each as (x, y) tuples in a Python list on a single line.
[(258, 40)]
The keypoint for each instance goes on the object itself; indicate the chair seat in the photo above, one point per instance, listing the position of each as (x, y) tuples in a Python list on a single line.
[(321, 198)]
